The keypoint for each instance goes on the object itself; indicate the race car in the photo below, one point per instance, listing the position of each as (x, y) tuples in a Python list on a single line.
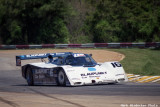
[(70, 69)]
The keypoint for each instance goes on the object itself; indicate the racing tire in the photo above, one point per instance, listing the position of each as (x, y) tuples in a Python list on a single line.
[(29, 77), (113, 83), (61, 79)]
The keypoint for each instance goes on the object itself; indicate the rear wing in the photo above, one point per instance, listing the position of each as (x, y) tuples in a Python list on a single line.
[(33, 56), (38, 56)]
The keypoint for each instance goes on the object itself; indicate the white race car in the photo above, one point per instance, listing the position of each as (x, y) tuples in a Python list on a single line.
[(70, 69)]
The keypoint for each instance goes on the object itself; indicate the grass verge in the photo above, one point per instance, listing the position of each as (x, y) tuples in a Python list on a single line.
[(140, 61)]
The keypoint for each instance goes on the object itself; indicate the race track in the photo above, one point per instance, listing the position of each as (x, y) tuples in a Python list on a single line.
[(14, 91)]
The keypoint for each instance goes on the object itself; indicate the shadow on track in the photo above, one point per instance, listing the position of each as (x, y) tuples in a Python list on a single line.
[(94, 85)]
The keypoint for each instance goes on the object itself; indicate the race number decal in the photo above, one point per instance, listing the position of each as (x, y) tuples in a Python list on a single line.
[(116, 64)]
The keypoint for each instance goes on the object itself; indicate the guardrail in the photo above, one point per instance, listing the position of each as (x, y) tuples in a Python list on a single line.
[(88, 45)]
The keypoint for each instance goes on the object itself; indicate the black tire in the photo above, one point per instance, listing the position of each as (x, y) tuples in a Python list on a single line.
[(61, 79), (29, 77), (114, 83)]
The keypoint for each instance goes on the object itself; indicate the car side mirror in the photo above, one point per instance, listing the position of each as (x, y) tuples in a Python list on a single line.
[(90, 54)]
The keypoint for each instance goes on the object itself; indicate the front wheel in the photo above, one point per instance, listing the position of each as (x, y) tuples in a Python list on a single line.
[(29, 77), (61, 78)]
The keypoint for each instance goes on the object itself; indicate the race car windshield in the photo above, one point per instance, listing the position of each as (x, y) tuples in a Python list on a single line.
[(80, 61)]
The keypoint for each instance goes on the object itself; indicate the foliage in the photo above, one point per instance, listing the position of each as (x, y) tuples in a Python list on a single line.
[(79, 21), (32, 21), (125, 21)]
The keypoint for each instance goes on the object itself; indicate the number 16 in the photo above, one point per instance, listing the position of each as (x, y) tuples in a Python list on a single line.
[(116, 64)]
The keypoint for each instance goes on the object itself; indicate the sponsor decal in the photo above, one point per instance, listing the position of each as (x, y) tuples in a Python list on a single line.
[(78, 55), (84, 77), (43, 73), (93, 73), (22, 56), (96, 76), (60, 53), (75, 78), (40, 71), (36, 77), (35, 55), (51, 73), (91, 69), (41, 76), (52, 54)]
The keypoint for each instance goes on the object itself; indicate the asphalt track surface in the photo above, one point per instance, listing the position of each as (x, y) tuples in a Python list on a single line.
[(11, 81), (119, 95)]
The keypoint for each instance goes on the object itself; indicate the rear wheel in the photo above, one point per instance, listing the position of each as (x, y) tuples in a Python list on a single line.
[(29, 77), (61, 78)]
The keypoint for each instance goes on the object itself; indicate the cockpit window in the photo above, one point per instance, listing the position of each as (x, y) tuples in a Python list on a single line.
[(74, 60), (60, 61), (56, 60), (80, 60), (69, 60)]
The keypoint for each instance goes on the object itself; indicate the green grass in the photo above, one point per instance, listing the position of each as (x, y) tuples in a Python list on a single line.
[(140, 61)]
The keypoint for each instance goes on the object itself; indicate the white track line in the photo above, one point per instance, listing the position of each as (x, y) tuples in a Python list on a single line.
[(132, 77), (148, 78), (156, 80)]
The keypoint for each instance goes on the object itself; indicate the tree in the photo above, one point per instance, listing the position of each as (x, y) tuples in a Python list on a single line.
[(32, 21), (125, 21)]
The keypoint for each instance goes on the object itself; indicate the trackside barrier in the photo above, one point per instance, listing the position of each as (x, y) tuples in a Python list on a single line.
[(22, 46), (114, 45), (8, 47), (48, 46), (101, 45), (139, 45), (35, 46), (88, 45), (150, 44), (128, 45), (61, 45), (74, 45)]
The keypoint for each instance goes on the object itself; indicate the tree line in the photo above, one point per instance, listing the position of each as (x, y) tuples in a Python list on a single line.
[(79, 21)]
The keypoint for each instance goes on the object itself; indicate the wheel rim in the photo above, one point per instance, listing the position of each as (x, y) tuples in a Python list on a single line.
[(61, 77)]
